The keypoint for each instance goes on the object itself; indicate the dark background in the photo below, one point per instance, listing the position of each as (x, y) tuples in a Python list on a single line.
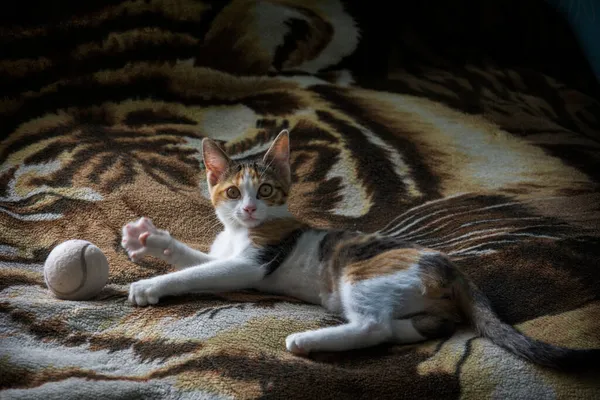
[(519, 34)]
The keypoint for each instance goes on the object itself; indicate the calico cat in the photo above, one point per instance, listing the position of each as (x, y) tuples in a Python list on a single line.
[(388, 290)]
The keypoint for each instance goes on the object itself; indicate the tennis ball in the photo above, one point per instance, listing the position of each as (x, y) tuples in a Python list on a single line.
[(76, 270)]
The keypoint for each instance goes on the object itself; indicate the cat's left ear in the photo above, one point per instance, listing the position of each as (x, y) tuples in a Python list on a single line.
[(278, 156), (215, 161)]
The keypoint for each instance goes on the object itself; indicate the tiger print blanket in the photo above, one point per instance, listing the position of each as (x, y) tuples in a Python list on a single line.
[(104, 108)]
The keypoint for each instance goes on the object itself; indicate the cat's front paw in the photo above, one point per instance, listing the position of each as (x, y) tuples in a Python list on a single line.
[(141, 238), (296, 343), (144, 292)]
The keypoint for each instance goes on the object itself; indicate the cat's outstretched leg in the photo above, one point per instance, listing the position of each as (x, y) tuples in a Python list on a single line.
[(141, 238), (219, 275), (135, 240)]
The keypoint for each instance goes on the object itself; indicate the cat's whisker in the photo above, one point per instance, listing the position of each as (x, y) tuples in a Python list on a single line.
[(208, 224), (265, 169), (211, 220), (210, 227), (206, 229)]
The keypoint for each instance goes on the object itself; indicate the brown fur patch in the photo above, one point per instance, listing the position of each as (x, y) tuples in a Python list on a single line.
[(218, 193), (273, 231), (444, 307), (441, 281), (340, 249), (382, 264), (333, 272), (435, 285)]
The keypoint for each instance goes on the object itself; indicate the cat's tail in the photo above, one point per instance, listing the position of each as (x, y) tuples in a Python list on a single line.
[(478, 309)]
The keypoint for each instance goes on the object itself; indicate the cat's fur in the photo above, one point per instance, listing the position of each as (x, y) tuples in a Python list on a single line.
[(388, 290)]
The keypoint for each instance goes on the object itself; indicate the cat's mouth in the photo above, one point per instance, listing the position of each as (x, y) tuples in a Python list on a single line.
[(250, 221)]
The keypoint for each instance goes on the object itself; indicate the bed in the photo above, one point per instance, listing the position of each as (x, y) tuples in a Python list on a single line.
[(398, 124)]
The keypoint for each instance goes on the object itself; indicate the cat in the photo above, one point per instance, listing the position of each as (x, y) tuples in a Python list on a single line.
[(388, 290)]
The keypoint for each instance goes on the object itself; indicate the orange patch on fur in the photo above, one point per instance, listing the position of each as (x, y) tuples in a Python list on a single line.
[(218, 193), (436, 283), (382, 264), (273, 231), (239, 177), (338, 260), (252, 173)]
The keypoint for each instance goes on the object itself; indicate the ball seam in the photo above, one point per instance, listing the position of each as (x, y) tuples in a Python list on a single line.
[(83, 275)]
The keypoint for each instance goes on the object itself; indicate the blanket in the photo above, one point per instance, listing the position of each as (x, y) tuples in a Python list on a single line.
[(104, 106)]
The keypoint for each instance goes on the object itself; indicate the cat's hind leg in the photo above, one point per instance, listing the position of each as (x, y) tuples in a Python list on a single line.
[(366, 331), (353, 335), (371, 307), (369, 323), (420, 328)]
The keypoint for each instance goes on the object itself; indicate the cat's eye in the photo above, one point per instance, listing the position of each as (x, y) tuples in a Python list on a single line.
[(265, 190), (233, 192)]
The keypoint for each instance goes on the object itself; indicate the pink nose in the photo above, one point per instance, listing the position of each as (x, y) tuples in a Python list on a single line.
[(250, 208)]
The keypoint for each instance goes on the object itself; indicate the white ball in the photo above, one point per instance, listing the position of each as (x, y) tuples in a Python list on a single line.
[(76, 270)]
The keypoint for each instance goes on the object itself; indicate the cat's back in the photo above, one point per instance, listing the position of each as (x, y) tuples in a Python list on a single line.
[(353, 257), (359, 245)]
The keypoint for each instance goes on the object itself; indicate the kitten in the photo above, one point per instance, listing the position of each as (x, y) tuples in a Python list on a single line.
[(388, 290)]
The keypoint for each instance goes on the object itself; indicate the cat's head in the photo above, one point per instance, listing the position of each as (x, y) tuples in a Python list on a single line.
[(248, 193)]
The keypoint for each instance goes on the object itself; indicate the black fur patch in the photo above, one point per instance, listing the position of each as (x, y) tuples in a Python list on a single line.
[(329, 240), (371, 248), (272, 256), (439, 265), (432, 326)]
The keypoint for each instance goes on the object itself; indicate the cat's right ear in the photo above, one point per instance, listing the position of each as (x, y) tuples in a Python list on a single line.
[(278, 155), (215, 160)]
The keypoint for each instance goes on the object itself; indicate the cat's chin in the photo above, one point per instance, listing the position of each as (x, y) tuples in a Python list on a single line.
[(250, 223)]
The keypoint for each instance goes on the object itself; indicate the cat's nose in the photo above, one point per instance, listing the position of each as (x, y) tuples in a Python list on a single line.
[(250, 208)]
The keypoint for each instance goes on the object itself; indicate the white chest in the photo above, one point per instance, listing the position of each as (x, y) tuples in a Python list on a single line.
[(230, 243), (299, 275)]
